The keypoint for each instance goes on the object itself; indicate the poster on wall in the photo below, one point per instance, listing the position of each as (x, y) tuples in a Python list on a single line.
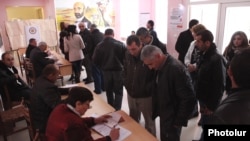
[(32, 32), (176, 18), (99, 12), (143, 19)]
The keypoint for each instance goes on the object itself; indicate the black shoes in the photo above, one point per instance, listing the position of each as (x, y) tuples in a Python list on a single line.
[(87, 80), (97, 92)]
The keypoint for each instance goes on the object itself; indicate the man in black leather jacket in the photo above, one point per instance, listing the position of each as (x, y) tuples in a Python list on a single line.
[(173, 95), (235, 108), (109, 56), (211, 78)]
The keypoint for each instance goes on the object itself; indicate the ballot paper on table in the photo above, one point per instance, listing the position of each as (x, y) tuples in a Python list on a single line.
[(112, 122), (53, 57)]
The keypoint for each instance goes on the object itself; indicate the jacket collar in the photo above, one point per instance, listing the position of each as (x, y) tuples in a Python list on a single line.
[(211, 50), (241, 94)]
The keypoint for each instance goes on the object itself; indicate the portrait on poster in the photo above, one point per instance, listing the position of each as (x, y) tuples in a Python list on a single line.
[(99, 12)]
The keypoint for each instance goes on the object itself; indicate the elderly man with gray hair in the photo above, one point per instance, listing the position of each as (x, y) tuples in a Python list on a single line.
[(173, 95), (39, 59)]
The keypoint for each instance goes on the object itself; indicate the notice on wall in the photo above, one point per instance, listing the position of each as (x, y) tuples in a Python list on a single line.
[(32, 31), (143, 19), (176, 18)]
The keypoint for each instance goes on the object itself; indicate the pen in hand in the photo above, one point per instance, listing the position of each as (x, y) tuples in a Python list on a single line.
[(114, 133)]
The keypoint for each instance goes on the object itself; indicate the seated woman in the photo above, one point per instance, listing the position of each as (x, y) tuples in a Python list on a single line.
[(66, 124)]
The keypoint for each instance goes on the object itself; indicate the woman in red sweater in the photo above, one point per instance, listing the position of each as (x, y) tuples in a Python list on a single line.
[(66, 124)]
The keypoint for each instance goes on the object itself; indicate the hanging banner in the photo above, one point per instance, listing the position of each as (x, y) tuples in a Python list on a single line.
[(32, 31)]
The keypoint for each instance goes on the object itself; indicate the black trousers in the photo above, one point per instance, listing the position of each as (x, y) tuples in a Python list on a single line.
[(113, 83)]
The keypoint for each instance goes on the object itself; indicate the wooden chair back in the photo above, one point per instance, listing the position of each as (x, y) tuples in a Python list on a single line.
[(29, 72), (9, 117), (7, 102), (21, 54)]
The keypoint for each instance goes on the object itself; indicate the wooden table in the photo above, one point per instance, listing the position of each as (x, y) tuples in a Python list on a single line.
[(65, 67)]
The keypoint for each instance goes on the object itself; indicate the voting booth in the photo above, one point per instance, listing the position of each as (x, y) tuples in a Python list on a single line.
[(20, 31)]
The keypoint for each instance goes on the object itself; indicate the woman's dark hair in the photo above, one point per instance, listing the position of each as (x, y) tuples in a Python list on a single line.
[(79, 94), (242, 35), (71, 31), (62, 26)]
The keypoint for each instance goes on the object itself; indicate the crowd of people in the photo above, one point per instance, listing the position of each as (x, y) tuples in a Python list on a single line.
[(157, 84)]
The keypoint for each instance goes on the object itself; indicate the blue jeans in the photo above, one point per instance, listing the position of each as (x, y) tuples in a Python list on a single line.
[(98, 79)]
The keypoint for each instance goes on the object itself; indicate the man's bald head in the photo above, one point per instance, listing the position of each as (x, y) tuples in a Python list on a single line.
[(79, 8)]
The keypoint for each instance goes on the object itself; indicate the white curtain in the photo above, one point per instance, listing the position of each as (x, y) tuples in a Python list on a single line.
[(16, 32)]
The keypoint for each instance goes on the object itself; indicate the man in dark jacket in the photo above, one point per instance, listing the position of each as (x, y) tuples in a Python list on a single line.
[(173, 95), (184, 40), (32, 45), (211, 76), (235, 108), (138, 80), (39, 59), (85, 34), (147, 38), (109, 56), (95, 38), (150, 27), (45, 96), (9, 77)]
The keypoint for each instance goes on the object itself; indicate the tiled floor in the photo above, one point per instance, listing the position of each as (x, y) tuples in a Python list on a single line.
[(192, 131)]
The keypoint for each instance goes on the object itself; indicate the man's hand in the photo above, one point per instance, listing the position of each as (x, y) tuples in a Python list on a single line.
[(114, 134), (16, 75), (191, 68)]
